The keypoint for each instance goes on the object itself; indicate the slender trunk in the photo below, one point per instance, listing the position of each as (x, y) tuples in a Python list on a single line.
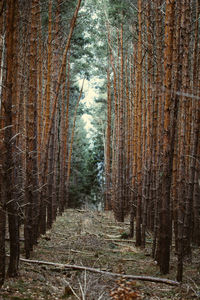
[(64, 139), (40, 96), (50, 180), (115, 126), (47, 200), (8, 167), (108, 145), (119, 212), (31, 199), (133, 144), (2, 196), (165, 218), (47, 132), (157, 130), (72, 140), (177, 71), (147, 150), (139, 128), (127, 139), (196, 155), (194, 133)]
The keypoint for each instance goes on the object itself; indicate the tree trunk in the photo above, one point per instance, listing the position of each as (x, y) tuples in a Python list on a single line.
[(108, 146), (139, 128), (72, 139), (120, 205), (157, 141), (8, 167), (165, 218), (31, 198), (2, 150)]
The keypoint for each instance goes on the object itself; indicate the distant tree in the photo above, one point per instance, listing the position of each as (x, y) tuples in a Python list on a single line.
[(108, 147)]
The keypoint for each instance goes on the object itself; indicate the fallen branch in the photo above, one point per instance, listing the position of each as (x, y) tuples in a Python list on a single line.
[(114, 227), (134, 277), (81, 252), (128, 259), (119, 240), (125, 241), (115, 241)]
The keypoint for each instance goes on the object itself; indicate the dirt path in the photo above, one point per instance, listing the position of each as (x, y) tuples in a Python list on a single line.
[(93, 239)]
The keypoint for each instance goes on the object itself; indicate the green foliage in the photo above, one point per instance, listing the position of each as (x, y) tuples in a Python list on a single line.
[(89, 59), (117, 11), (84, 183)]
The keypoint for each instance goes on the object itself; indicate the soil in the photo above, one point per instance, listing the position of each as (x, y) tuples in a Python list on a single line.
[(95, 239)]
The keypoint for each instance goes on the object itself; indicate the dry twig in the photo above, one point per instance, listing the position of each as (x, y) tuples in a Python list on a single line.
[(135, 277)]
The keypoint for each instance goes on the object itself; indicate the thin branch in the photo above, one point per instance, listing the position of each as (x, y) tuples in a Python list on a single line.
[(83, 268)]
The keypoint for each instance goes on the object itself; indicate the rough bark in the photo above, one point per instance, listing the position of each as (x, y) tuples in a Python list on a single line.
[(139, 127), (31, 198), (120, 203), (108, 146), (165, 218), (8, 167)]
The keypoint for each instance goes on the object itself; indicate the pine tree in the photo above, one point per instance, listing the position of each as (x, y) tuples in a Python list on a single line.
[(8, 104), (165, 216)]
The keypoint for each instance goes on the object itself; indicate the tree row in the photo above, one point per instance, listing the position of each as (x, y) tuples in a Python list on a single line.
[(152, 135), (38, 111)]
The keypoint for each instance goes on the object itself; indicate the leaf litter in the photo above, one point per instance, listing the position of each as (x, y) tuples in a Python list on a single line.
[(87, 238)]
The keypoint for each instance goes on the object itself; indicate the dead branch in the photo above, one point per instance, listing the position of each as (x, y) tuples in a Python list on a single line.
[(134, 277), (81, 252), (128, 259), (126, 241), (120, 240)]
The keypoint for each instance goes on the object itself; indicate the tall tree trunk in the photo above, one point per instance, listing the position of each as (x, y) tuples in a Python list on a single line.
[(165, 218), (72, 140), (185, 149), (115, 126), (47, 203), (134, 108), (108, 146), (127, 138), (64, 140), (31, 199), (8, 167), (139, 128), (58, 117), (177, 71), (120, 208), (157, 129), (47, 132), (195, 153), (147, 125), (2, 150), (192, 212)]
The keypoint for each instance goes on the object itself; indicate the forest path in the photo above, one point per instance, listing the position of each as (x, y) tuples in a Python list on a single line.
[(90, 239)]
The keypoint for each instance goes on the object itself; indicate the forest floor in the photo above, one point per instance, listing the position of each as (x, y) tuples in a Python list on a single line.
[(94, 239)]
